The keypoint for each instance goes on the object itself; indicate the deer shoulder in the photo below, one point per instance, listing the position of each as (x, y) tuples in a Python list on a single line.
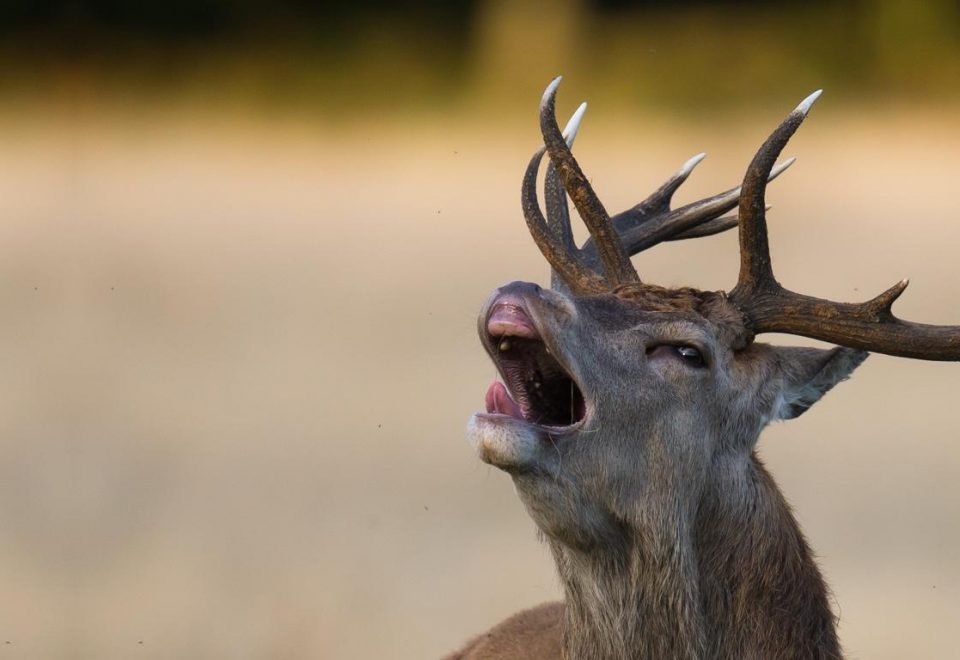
[(534, 634)]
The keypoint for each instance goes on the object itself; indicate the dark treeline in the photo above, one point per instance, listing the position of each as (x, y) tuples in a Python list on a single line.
[(179, 18), (680, 55)]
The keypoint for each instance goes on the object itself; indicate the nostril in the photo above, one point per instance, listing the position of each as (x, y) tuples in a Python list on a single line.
[(509, 318)]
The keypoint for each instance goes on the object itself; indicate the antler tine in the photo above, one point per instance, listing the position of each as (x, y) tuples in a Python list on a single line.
[(659, 200), (664, 194), (755, 270), (658, 203), (555, 197), (564, 262), (709, 228), (689, 217), (870, 326), (616, 263), (768, 307), (558, 220), (694, 220)]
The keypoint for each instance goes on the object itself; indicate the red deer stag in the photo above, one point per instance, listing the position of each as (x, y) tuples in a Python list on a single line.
[(628, 416)]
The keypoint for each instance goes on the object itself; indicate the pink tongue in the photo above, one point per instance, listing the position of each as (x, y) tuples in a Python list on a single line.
[(498, 401)]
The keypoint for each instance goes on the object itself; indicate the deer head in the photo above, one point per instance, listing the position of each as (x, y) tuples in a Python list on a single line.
[(628, 412)]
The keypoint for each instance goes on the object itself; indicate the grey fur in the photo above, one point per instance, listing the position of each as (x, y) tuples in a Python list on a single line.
[(670, 538)]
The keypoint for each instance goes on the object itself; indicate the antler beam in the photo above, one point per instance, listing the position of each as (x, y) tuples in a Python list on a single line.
[(769, 307), (566, 262), (616, 263)]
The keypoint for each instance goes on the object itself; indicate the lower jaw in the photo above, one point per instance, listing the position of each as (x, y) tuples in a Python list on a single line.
[(505, 442), (509, 420)]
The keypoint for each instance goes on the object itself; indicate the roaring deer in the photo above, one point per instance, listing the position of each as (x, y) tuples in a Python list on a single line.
[(629, 413)]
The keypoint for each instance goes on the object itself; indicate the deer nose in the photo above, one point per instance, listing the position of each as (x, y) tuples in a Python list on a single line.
[(508, 314), (509, 318), (521, 289)]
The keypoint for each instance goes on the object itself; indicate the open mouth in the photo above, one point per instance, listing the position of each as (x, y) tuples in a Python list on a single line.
[(536, 388)]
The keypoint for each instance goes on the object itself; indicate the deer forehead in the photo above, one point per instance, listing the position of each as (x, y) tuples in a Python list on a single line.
[(684, 312)]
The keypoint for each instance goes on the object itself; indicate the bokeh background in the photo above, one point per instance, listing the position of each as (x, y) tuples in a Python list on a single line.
[(242, 248)]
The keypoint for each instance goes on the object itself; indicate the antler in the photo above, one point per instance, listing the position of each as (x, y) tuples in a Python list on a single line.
[(616, 263), (612, 240), (769, 307)]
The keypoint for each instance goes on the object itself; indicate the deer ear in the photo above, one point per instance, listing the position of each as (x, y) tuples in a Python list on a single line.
[(809, 373)]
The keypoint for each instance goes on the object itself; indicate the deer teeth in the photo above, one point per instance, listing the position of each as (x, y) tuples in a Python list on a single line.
[(504, 346)]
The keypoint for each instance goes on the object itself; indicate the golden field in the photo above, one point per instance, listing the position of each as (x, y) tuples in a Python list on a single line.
[(238, 356)]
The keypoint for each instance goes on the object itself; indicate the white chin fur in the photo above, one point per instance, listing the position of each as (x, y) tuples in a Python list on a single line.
[(503, 442)]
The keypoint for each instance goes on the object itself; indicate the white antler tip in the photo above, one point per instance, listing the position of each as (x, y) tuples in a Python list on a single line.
[(550, 90), (688, 166), (570, 130), (806, 103)]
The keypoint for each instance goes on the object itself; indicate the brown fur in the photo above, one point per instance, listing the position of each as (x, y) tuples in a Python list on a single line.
[(528, 635)]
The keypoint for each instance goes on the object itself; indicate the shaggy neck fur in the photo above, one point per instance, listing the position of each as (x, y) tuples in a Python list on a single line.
[(732, 578)]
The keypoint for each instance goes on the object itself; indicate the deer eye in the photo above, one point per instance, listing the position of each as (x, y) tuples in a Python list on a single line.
[(690, 355)]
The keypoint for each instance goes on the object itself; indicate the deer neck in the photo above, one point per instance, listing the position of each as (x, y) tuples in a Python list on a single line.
[(636, 597), (730, 577), (762, 594)]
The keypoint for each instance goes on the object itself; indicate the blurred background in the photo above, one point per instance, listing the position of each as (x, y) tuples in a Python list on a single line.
[(243, 246)]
